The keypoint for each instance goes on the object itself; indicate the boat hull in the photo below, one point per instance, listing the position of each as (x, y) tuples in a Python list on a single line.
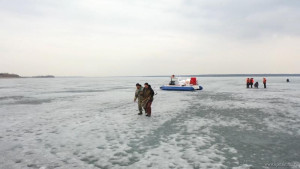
[(181, 88)]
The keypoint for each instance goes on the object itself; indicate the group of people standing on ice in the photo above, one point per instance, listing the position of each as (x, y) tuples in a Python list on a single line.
[(144, 95), (250, 82)]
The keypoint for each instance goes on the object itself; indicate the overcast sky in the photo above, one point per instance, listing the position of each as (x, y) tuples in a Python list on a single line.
[(149, 37)]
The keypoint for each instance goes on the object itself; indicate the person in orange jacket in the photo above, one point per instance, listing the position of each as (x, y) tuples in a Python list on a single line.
[(247, 82), (265, 82), (251, 82)]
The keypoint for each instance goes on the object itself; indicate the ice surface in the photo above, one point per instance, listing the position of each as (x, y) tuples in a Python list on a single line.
[(80, 123)]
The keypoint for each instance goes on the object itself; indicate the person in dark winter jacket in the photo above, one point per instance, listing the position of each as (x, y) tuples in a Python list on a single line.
[(256, 85), (148, 94), (173, 80)]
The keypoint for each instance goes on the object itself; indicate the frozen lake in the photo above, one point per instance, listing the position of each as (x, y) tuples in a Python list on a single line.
[(83, 123)]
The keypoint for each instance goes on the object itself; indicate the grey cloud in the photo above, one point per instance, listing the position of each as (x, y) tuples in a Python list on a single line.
[(243, 19), (235, 18)]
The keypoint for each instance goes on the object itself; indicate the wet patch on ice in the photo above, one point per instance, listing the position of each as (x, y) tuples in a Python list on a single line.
[(11, 98), (80, 91), (33, 101)]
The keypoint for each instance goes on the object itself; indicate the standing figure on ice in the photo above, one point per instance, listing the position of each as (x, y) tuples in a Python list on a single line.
[(139, 96), (148, 94), (251, 82), (247, 82), (265, 82)]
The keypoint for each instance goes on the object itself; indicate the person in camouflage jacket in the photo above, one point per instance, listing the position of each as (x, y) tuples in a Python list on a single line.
[(139, 95)]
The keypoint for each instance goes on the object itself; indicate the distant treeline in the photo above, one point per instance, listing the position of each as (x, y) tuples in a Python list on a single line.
[(8, 75), (48, 76)]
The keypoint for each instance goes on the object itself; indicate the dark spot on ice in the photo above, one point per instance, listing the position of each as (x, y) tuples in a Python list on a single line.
[(216, 159), (16, 147), (29, 153), (53, 151), (76, 152), (65, 160), (18, 160), (94, 129), (39, 140), (89, 159), (28, 131), (120, 163), (100, 147), (48, 145), (140, 131), (119, 154), (32, 165), (102, 166), (52, 166), (115, 147)]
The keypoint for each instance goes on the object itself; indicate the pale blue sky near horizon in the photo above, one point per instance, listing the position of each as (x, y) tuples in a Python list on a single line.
[(143, 37)]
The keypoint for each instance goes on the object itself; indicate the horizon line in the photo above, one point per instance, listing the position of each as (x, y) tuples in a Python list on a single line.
[(200, 75)]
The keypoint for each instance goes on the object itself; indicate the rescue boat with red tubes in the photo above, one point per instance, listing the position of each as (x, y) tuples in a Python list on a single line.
[(183, 85)]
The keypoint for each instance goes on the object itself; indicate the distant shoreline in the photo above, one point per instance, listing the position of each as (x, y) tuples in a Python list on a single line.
[(243, 75), (203, 75), (9, 76), (224, 75)]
